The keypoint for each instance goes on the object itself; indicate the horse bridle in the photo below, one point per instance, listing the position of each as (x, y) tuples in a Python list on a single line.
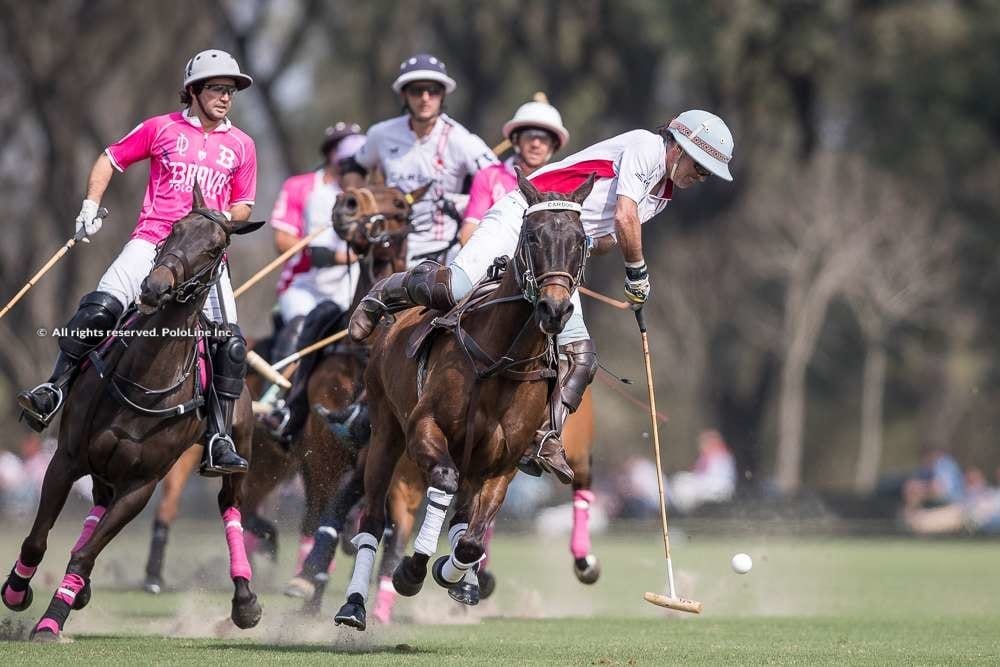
[(375, 225), (192, 287), (524, 267)]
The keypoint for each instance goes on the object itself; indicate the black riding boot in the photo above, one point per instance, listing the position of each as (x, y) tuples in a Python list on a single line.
[(576, 373), (427, 284), (228, 371), (97, 314)]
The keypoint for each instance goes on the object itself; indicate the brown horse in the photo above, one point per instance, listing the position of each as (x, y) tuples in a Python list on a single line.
[(127, 447), (374, 221), (465, 408)]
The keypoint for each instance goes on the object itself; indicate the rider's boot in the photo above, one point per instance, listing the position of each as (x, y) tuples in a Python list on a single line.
[(228, 371), (576, 373), (427, 284), (97, 314)]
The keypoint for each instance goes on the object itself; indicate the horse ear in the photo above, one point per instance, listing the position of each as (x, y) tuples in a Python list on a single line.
[(245, 227), (418, 194), (583, 191), (198, 200), (530, 192)]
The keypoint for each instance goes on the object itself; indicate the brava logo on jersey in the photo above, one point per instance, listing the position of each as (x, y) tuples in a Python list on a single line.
[(212, 181)]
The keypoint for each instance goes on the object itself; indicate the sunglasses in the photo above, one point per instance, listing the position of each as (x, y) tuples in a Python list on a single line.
[(700, 170), (530, 133), (418, 90), (220, 88)]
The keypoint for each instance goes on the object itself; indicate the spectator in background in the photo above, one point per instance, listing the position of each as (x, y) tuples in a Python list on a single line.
[(936, 483), (636, 495), (712, 480), (976, 511)]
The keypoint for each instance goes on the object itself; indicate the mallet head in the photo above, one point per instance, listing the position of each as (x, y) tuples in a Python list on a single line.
[(680, 604)]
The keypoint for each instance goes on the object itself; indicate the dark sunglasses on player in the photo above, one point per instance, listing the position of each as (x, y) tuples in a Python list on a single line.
[(220, 88), (418, 89)]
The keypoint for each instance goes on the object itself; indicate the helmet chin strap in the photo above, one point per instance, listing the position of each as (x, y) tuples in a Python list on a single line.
[(673, 169)]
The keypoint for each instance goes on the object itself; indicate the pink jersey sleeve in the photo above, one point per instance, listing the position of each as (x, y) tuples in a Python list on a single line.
[(480, 194), (134, 146), (245, 177), (287, 213)]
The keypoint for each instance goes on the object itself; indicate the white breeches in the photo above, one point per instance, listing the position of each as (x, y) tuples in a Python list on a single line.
[(497, 235), (123, 280)]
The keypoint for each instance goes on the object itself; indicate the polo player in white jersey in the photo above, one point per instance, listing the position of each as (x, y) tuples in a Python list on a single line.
[(636, 174), (424, 145), (198, 143)]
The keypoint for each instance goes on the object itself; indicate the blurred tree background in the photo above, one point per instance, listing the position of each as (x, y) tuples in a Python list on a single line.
[(830, 311)]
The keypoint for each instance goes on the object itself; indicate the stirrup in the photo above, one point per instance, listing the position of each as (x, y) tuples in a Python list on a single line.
[(28, 407), (208, 467), (277, 420)]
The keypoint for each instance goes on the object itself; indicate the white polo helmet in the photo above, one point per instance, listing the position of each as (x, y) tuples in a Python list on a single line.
[(705, 137), (423, 67), (538, 113), (212, 63)]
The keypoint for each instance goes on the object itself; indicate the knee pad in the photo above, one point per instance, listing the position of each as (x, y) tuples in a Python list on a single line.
[(229, 365), (95, 317), (582, 359)]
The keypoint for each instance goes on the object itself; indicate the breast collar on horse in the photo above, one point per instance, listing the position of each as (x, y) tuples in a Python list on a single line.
[(183, 292), (478, 299)]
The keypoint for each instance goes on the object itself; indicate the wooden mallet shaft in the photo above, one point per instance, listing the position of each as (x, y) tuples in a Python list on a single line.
[(279, 260)]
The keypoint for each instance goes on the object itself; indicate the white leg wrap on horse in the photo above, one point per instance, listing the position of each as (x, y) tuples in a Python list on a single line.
[(430, 530), (364, 563), (455, 534)]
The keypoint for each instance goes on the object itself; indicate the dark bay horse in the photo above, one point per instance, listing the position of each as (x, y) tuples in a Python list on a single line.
[(126, 437), (465, 409), (374, 221)]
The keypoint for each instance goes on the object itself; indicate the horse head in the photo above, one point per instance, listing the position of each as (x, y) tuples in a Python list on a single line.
[(188, 262), (551, 252), (375, 219)]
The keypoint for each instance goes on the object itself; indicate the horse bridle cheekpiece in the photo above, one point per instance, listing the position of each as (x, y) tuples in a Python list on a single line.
[(193, 287), (524, 267)]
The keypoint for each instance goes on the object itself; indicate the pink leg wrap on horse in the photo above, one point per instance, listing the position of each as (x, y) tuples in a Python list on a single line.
[(305, 546), (70, 586), (48, 624), (12, 597), (239, 566), (89, 524), (579, 543), (385, 601)]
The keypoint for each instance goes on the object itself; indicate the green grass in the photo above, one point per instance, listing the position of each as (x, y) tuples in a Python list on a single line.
[(806, 601)]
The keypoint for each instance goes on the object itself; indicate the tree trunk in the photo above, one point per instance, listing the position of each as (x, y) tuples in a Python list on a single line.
[(872, 392), (791, 414)]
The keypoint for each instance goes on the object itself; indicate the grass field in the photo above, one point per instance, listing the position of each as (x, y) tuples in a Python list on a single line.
[(807, 601)]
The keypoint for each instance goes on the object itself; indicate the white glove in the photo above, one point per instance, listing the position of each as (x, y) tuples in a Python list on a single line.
[(88, 220)]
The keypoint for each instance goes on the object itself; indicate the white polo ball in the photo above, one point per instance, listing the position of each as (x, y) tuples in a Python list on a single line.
[(741, 563)]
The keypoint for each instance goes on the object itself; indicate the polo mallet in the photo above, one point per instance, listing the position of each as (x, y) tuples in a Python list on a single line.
[(79, 236), (670, 601), (279, 260)]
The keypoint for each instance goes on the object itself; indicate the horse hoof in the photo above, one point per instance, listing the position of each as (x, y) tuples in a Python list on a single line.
[(352, 614), (153, 585), (487, 584), (436, 572), (246, 613), (44, 637), (25, 602), (300, 587), (405, 582), (82, 598), (465, 593), (587, 569)]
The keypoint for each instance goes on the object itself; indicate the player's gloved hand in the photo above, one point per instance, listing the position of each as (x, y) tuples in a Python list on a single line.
[(88, 220), (636, 283)]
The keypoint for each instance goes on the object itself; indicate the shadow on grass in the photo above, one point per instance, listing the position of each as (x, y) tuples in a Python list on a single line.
[(199, 644)]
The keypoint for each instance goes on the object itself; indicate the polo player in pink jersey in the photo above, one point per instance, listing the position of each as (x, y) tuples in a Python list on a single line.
[(197, 144)]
